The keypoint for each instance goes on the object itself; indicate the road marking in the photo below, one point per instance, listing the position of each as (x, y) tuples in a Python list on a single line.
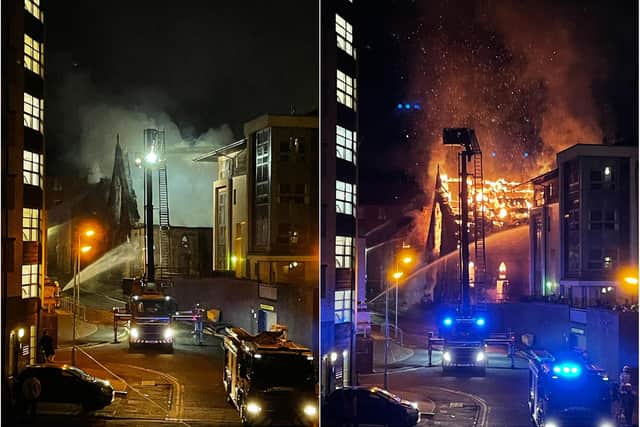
[(122, 379), (177, 395), (483, 417)]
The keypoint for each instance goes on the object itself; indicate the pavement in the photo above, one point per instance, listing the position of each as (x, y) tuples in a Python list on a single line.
[(87, 334)]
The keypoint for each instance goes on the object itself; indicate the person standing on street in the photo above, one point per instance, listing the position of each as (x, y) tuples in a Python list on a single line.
[(46, 347)]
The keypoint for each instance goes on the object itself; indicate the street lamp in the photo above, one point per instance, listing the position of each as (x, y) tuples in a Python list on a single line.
[(76, 285)]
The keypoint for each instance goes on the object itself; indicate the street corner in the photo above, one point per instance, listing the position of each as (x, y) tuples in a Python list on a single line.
[(65, 329)]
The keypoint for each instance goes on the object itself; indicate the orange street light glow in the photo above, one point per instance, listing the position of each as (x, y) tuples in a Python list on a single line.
[(631, 280), (85, 249), (407, 260), (89, 233), (397, 274)]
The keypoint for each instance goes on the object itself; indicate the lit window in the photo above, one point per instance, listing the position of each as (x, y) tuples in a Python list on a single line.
[(344, 252), (342, 306), (33, 55), (30, 280), (263, 143), (30, 225), (33, 7), (344, 32), (345, 198), (33, 168), (346, 144), (33, 112), (346, 89)]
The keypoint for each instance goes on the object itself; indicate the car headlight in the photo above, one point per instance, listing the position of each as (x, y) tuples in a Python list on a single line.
[(134, 333), (480, 356), (414, 405), (310, 410), (253, 408), (168, 333), (551, 424), (446, 356), (606, 424)]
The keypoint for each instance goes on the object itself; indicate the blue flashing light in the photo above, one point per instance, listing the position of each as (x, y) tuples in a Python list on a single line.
[(567, 370), (416, 106), (526, 154), (400, 106), (493, 154), (480, 321), (407, 106), (448, 321)]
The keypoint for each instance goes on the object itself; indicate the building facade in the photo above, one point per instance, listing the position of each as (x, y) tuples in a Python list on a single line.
[(584, 226), (265, 217), (23, 148), (544, 236), (339, 130)]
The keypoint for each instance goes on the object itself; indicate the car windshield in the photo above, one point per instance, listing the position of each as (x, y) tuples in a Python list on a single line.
[(80, 373), (156, 307), (282, 370), (386, 394)]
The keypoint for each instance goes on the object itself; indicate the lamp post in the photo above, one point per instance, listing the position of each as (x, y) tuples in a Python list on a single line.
[(406, 260), (76, 288), (386, 326)]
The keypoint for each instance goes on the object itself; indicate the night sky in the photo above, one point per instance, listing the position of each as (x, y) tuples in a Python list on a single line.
[(198, 69), (532, 77)]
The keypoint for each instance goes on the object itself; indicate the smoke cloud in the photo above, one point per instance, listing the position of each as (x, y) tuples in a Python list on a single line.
[(520, 73), (98, 120)]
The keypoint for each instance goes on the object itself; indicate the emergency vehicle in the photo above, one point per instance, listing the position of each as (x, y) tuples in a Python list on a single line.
[(463, 345), (151, 319), (565, 390), (269, 379)]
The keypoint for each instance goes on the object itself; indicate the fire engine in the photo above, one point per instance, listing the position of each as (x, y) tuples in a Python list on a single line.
[(567, 391), (151, 322), (269, 379)]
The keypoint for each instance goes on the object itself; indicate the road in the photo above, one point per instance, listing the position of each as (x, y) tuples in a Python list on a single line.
[(499, 399), (182, 388)]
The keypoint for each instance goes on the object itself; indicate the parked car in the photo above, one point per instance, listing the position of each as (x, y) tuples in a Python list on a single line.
[(62, 384), (368, 406)]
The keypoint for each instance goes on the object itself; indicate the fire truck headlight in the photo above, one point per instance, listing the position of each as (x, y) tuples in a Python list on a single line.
[(168, 333), (551, 424), (480, 356), (310, 410), (446, 356), (606, 424), (253, 408), (134, 333)]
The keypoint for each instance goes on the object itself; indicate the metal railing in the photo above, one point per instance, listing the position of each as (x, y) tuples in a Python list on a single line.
[(66, 304)]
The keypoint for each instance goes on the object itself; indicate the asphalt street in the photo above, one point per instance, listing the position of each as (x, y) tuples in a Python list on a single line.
[(498, 399), (179, 388)]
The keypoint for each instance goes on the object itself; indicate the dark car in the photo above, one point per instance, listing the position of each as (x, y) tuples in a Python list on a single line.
[(63, 384), (368, 406)]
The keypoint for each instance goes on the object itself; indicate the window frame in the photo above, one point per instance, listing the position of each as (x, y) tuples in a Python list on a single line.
[(33, 112), (32, 171), (344, 252), (346, 198), (346, 89), (346, 144), (343, 312), (344, 36)]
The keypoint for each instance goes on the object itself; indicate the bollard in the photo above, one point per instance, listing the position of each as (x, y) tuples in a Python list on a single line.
[(115, 326), (429, 347)]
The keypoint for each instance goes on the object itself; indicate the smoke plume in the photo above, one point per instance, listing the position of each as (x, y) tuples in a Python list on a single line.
[(520, 73), (98, 120)]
